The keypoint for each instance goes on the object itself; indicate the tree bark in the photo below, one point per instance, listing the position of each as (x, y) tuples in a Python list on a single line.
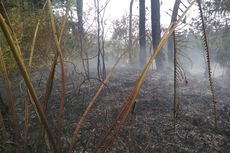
[(85, 60), (142, 33), (170, 41), (156, 33), (98, 39), (130, 47), (79, 15)]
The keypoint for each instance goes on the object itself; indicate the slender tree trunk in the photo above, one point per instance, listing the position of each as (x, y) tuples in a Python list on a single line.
[(80, 15), (142, 33), (98, 40), (156, 33), (103, 48), (21, 4), (130, 47), (101, 69), (85, 60), (3, 106), (170, 41)]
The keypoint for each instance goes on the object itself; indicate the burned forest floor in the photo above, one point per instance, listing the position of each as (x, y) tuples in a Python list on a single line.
[(148, 129)]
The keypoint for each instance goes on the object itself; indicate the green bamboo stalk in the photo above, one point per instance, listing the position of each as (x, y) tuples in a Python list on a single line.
[(22, 67), (6, 16), (49, 83), (28, 97), (33, 44), (63, 90)]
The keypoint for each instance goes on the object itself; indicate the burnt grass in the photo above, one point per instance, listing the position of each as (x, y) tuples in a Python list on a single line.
[(148, 129)]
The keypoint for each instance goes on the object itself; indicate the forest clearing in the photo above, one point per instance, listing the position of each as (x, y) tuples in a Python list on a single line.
[(73, 80)]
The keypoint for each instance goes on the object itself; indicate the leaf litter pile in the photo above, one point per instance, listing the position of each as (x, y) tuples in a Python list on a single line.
[(149, 127)]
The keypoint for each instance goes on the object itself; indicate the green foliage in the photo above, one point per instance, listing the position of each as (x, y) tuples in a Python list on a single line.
[(216, 17), (223, 52), (6, 53), (120, 34), (23, 25), (121, 28), (221, 6)]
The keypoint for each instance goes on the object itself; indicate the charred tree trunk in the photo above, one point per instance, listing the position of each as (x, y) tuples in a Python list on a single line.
[(3, 107), (101, 70), (103, 47), (80, 15), (130, 47), (142, 33), (84, 54), (170, 41), (98, 40), (156, 33)]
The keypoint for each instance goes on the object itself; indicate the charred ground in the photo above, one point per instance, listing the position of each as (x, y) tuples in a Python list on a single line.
[(148, 129)]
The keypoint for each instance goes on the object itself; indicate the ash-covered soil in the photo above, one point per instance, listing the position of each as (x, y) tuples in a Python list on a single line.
[(148, 129)]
